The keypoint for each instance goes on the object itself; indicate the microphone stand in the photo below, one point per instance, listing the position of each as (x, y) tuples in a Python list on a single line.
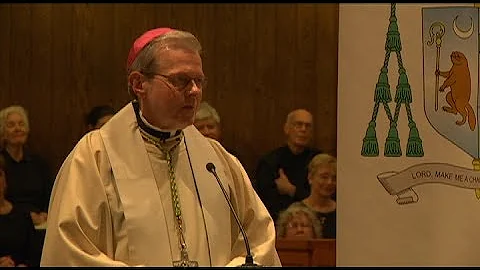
[(249, 258)]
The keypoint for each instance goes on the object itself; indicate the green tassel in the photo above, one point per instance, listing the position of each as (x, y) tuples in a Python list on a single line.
[(382, 89), (414, 145), (393, 43), (370, 143), (404, 93), (392, 144)]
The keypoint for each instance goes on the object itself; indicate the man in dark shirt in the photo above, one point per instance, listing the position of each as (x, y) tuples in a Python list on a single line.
[(281, 175)]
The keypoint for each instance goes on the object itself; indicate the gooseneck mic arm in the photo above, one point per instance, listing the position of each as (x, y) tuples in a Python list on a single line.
[(249, 258)]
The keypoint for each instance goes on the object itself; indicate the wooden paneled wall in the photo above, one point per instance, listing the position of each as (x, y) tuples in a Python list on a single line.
[(262, 61)]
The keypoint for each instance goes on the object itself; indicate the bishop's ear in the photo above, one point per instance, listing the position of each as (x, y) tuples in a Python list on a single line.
[(136, 80)]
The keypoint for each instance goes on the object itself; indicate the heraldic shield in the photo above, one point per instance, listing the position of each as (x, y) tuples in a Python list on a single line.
[(451, 74)]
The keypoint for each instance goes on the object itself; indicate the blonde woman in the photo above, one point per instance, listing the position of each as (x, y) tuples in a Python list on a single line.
[(322, 177)]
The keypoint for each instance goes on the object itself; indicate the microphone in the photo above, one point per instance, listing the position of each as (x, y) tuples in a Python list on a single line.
[(249, 258)]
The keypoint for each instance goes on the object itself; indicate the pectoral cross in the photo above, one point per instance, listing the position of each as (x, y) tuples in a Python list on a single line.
[(185, 262)]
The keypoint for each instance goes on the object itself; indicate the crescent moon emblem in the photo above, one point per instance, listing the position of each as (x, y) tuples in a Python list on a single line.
[(463, 34)]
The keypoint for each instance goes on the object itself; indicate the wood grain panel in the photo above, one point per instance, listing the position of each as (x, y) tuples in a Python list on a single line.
[(311, 253), (123, 37), (145, 18), (326, 65), (163, 14), (20, 54), (183, 16), (305, 60), (243, 83), (265, 128), (62, 118), (40, 78), (204, 20), (262, 60), (222, 82), (82, 27), (5, 50), (284, 86), (99, 45)]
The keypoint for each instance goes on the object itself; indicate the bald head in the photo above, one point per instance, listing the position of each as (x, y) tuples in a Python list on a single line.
[(298, 129), (298, 113)]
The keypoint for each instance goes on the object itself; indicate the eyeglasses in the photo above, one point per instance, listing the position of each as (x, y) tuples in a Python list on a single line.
[(298, 225), (180, 81), (299, 125)]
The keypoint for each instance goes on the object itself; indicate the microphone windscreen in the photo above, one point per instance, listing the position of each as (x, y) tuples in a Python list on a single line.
[(210, 167)]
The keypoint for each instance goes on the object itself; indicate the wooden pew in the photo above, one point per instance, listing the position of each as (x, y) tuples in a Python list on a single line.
[(314, 252)]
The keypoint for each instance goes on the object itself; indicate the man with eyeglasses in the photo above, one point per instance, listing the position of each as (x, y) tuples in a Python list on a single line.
[(281, 175), (136, 192)]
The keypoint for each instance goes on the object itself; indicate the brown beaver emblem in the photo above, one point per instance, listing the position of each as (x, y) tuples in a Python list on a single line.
[(459, 82)]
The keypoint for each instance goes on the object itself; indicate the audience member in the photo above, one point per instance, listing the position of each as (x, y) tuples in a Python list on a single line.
[(98, 116), (29, 178), (207, 121), (322, 177), (137, 192), (281, 175), (17, 245), (298, 222)]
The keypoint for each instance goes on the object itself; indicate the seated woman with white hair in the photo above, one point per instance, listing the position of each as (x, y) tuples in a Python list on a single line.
[(28, 176)]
